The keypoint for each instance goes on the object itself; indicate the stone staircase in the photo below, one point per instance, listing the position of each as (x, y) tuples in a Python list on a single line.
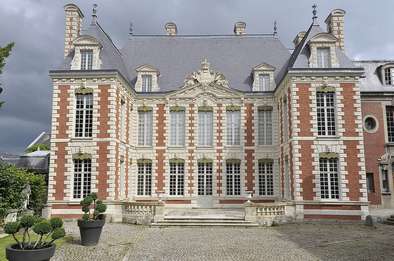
[(390, 220), (204, 217)]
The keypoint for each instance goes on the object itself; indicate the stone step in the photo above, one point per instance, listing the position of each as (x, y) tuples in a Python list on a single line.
[(203, 224), (196, 220), (203, 217)]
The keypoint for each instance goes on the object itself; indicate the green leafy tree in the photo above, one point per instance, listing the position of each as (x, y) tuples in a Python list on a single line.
[(12, 181), (4, 53)]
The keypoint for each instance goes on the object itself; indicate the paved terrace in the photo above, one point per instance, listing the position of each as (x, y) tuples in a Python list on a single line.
[(312, 241)]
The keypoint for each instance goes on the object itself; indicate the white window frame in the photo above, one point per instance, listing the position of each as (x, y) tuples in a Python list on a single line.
[(327, 121), (82, 178), (205, 178), (329, 179), (144, 179), (390, 123), (388, 76), (83, 115), (233, 122), (322, 60), (177, 179), (233, 179), (285, 113), (122, 179), (266, 178), (86, 59), (264, 82), (146, 82), (264, 123), (177, 130), (205, 128), (145, 127)]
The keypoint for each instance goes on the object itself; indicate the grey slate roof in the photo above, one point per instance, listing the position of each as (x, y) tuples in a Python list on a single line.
[(299, 58), (372, 81), (110, 56), (177, 56)]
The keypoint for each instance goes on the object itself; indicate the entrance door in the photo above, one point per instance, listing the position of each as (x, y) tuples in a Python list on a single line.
[(205, 181)]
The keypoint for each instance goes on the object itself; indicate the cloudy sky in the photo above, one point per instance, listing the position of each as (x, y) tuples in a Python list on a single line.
[(37, 28)]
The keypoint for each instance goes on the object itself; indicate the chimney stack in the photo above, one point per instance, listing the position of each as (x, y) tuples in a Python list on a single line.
[(74, 18), (335, 26), (171, 29), (299, 38), (239, 28)]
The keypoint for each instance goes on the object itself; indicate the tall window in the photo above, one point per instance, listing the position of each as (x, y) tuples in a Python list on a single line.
[(233, 178), (122, 174), (82, 178), (177, 128), (123, 120), (84, 115), (389, 76), (146, 82), (205, 178), (390, 123), (325, 102), (265, 127), (145, 128), (144, 178), (385, 179), (323, 58), (205, 128), (329, 178), (233, 127), (264, 82), (86, 59), (266, 178), (370, 183), (177, 178)]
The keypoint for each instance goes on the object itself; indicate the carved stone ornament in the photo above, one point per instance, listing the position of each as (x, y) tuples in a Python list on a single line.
[(206, 76)]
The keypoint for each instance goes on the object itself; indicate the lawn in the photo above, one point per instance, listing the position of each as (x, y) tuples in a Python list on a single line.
[(5, 241)]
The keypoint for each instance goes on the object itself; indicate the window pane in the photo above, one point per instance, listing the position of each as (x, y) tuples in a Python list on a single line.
[(82, 178), (146, 83), (205, 128), (264, 82), (323, 57), (145, 128), (177, 122), (370, 183), (144, 179), (177, 179), (233, 179), (264, 127), (233, 127), (266, 179), (325, 102), (86, 59), (329, 178), (84, 115), (390, 123)]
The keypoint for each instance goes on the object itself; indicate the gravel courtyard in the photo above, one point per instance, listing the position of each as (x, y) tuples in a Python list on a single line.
[(311, 241)]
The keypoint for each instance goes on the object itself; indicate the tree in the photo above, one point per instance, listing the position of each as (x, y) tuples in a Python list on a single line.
[(4, 53)]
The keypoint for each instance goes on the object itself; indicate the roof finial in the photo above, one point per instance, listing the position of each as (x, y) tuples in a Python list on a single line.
[(275, 28), (314, 12), (131, 28), (94, 14)]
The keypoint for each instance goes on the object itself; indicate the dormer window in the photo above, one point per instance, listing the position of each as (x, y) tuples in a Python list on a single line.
[(323, 57), (264, 82), (389, 76), (86, 59), (147, 79), (146, 82), (263, 78)]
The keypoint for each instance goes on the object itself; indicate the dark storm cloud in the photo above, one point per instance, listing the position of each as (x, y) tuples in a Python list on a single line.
[(37, 28)]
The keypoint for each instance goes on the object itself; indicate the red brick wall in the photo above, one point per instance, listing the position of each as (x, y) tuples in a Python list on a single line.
[(305, 117), (102, 169), (306, 170), (160, 142), (59, 170), (374, 146), (103, 111), (349, 109), (63, 112), (353, 169), (249, 153)]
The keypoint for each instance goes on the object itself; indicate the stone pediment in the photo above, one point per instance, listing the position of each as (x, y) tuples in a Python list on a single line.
[(324, 38), (206, 76), (86, 40), (264, 67), (146, 68)]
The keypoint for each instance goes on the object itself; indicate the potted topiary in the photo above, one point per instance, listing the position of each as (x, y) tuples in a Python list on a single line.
[(27, 249), (92, 221)]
